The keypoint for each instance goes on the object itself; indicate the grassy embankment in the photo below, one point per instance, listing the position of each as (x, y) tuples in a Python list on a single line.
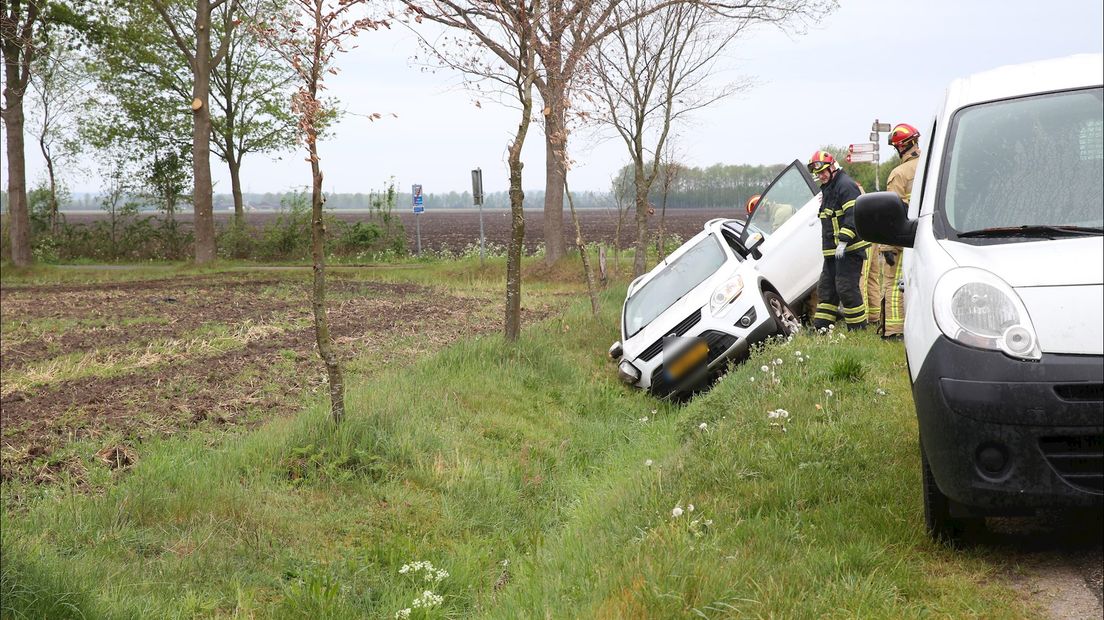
[(539, 484)]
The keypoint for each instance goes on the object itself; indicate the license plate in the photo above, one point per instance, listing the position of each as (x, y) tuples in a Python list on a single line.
[(688, 360)]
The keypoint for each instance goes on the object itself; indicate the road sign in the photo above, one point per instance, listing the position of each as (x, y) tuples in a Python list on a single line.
[(477, 186), (862, 147), (881, 127), (417, 198), (855, 158)]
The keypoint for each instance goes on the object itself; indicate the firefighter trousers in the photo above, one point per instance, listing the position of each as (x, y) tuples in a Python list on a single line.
[(885, 304), (839, 292)]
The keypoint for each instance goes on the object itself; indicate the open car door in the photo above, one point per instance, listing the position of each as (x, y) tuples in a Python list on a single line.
[(786, 216)]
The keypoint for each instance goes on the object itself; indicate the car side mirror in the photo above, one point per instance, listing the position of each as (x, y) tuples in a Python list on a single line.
[(882, 217), (615, 350), (753, 244)]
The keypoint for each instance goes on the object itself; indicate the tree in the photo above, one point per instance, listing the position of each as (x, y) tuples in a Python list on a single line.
[(650, 74), (250, 89), (200, 60), (59, 84), (21, 31), (308, 36), (504, 32)]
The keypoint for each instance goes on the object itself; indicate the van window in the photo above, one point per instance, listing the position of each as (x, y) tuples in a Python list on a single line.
[(1028, 161)]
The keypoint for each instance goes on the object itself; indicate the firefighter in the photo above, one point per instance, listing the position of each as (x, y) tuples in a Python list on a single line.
[(844, 252), (778, 213), (750, 205), (885, 303)]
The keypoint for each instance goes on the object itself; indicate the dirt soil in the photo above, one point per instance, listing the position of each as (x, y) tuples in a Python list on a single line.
[(173, 381), (454, 230)]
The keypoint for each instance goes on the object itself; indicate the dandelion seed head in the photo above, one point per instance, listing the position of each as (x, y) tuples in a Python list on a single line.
[(676, 512), (764, 368), (648, 463), (702, 426)]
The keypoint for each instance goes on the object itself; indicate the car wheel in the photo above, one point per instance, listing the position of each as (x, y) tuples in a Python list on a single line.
[(787, 322), (941, 524)]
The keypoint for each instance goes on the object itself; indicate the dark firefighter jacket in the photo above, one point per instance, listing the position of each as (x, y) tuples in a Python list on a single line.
[(837, 215)]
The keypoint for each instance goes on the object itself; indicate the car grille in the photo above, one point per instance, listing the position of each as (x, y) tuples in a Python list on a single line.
[(718, 342), (1079, 460), (680, 329)]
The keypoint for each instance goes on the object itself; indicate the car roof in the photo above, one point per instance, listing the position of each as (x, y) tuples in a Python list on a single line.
[(1078, 71)]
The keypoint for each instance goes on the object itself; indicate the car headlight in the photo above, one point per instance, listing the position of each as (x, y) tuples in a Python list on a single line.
[(725, 293), (627, 372), (977, 308)]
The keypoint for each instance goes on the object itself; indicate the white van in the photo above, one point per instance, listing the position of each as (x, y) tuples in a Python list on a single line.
[(1004, 292)]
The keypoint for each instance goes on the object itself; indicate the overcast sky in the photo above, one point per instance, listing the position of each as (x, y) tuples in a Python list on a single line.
[(884, 59)]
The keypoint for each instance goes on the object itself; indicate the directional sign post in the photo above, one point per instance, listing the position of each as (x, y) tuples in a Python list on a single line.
[(877, 128), (419, 206), (855, 158), (863, 147)]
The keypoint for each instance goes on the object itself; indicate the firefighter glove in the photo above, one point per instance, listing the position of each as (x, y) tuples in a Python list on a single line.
[(890, 258), (840, 249)]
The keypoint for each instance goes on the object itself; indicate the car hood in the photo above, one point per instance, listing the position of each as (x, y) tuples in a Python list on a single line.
[(1058, 262), (691, 302)]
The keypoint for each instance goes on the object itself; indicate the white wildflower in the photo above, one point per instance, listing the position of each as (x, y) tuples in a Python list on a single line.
[(702, 426), (778, 361), (764, 368), (643, 420), (403, 613), (828, 393), (797, 353), (753, 379), (690, 508), (648, 463), (880, 392), (676, 512)]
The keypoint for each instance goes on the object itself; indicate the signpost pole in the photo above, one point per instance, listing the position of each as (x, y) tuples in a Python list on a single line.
[(477, 198), (419, 205)]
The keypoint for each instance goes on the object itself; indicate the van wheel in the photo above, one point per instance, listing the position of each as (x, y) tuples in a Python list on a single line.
[(942, 526), (787, 322)]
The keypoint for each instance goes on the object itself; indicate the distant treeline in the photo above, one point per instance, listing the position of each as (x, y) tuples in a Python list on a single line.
[(714, 186)]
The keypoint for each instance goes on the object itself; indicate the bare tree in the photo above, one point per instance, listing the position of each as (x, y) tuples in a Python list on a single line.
[(650, 74), (201, 60), (308, 36), (669, 171), (489, 32)]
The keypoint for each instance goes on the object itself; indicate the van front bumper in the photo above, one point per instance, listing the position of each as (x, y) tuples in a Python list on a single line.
[(1003, 435)]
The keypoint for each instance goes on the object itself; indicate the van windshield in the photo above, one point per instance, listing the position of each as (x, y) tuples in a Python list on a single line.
[(1026, 163), (677, 279)]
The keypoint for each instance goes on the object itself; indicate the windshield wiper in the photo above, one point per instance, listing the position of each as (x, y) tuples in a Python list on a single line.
[(1045, 232)]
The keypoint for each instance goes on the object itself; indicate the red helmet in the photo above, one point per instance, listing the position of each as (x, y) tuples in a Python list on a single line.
[(751, 202), (903, 136), (821, 161)]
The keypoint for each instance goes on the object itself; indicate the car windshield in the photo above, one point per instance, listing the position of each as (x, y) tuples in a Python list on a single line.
[(702, 260), (784, 197), (1026, 163)]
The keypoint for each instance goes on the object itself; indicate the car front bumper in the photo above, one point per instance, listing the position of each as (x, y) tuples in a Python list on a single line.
[(728, 342), (1003, 435)]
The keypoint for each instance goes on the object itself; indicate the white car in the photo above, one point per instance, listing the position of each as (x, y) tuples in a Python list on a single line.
[(729, 287)]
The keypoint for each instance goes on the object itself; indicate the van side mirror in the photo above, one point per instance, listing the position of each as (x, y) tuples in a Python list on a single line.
[(753, 244), (882, 217)]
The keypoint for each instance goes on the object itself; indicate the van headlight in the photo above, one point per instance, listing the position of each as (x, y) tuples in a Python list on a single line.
[(977, 308), (725, 293)]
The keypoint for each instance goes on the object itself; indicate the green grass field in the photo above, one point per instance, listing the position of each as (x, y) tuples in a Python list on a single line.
[(521, 481)]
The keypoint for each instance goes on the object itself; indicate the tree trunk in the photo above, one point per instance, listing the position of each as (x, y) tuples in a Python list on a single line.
[(640, 261), (18, 217), (235, 187), (555, 141), (591, 290), (318, 297), (52, 176), (517, 224), (201, 137)]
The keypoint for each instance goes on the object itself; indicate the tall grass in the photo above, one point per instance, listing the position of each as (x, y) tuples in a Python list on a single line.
[(539, 484)]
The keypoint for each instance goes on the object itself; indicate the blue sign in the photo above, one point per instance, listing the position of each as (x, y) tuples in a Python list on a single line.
[(417, 198)]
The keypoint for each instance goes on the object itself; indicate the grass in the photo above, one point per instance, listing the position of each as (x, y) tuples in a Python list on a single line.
[(542, 487)]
